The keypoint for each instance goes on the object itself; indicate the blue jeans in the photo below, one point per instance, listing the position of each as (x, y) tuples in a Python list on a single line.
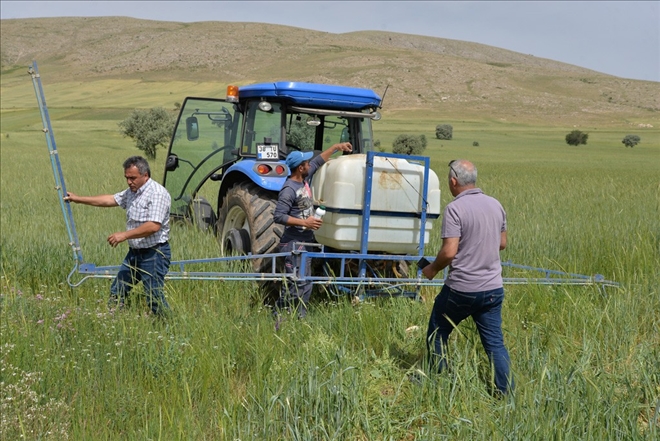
[(295, 294), (452, 307), (148, 265)]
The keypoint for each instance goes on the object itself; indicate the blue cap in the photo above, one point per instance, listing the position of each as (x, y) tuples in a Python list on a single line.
[(295, 158)]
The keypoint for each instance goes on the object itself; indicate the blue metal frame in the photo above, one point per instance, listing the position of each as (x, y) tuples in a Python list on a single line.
[(367, 284), (366, 209), (362, 286)]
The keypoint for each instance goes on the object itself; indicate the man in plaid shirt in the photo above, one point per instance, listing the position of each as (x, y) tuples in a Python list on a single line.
[(147, 205)]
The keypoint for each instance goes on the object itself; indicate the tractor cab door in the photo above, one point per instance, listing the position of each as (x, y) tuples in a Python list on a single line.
[(204, 144)]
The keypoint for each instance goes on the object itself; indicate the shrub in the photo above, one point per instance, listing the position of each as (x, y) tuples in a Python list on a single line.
[(576, 137), (475, 144), (149, 129), (444, 131), (408, 145), (631, 140)]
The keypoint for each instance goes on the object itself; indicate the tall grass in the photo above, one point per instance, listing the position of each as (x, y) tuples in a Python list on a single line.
[(585, 361)]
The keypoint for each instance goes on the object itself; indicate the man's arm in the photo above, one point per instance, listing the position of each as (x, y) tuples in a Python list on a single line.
[(443, 259), (103, 200), (503, 240), (283, 206), (144, 230), (342, 146), (311, 223)]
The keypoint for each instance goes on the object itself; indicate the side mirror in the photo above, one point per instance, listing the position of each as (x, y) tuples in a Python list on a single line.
[(192, 128), (172, 163)]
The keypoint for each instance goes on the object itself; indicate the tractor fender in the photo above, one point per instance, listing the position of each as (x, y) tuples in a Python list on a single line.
[(244, 171)]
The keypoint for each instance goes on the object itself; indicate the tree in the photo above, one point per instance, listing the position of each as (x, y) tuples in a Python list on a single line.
[(301, 135), (444, 131), (631, 140), (576, 137), (422, 139), (408, 144), (149, 129)]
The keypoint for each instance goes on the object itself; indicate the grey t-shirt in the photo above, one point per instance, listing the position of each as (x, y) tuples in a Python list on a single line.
[(478, 221), (295, 200)]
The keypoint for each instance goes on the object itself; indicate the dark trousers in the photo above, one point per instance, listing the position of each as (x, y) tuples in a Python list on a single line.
[(295, 294), (149, 266), (452, 307)]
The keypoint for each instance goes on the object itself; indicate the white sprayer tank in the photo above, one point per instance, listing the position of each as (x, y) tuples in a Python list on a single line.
[(397, 187)]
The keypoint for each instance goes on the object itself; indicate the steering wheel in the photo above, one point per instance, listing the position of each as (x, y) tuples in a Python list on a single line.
[(289, 148)]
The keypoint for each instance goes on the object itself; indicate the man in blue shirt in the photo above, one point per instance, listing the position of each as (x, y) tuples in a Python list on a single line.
[(147, 205), (295, 210)]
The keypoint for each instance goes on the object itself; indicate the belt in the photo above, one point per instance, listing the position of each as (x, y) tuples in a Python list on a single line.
[(142, 250)]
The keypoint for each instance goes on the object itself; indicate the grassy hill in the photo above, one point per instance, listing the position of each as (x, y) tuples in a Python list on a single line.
[(427, 77)]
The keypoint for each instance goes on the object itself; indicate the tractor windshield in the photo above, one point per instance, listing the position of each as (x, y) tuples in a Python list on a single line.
[(309, 131), (302, 129)]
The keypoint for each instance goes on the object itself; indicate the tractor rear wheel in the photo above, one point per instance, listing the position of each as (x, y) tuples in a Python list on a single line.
[(245, 220), (249, 207)]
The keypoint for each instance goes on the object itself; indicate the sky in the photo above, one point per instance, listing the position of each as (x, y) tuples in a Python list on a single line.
[(612, 37)]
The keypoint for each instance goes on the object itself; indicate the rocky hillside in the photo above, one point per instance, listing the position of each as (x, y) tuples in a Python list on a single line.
[(422, 72)]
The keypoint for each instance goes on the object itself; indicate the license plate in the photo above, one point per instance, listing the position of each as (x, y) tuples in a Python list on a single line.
[(267, 151)]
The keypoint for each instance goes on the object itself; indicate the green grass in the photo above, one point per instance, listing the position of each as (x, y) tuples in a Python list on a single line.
[(585, 361)]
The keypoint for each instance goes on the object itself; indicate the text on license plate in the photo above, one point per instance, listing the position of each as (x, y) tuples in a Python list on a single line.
[(267, 151)]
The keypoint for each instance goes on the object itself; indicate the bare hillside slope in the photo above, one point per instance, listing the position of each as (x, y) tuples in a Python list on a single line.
[(422, 72)]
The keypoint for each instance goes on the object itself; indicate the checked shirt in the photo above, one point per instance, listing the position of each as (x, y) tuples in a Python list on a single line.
[(151, 203)]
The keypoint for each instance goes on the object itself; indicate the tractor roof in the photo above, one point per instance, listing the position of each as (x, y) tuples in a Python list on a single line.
[(324, 96)]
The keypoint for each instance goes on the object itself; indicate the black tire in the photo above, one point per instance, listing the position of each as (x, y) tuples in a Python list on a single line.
[(249, 207), (237, 242)]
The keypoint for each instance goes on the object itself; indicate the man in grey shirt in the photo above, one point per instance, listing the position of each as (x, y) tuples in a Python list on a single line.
[(473, 234)]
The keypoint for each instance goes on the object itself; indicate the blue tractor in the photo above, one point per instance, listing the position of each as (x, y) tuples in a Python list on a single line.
[(240, 142)]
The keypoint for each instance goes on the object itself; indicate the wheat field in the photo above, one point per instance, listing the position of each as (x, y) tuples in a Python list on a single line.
[(585, 360)]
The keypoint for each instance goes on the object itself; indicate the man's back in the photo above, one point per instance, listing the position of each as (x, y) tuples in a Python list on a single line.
[(478, 221)]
